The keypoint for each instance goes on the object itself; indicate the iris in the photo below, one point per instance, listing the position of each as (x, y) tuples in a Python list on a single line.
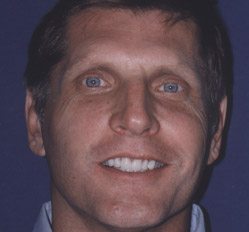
[(93, 82), (171, 87)]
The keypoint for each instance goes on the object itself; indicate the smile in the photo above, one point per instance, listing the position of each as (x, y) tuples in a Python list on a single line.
[(126, 164)]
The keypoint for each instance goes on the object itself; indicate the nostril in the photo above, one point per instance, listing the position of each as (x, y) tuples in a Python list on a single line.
[(132, 125), (120, 129)]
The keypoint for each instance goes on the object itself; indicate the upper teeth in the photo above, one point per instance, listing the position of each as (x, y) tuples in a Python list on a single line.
[(133, 165)]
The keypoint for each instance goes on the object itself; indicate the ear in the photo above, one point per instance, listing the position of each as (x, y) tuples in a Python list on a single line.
[(33, 126), (217, 137)]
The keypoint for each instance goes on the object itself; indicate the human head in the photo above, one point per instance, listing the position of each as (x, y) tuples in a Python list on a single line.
[(48, 45), (126, 115)]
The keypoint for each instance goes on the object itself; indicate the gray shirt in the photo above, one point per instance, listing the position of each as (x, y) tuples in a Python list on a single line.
[(44, 221)]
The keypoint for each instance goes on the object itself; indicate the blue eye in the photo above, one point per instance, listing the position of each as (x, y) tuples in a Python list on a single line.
[(171, 87), (93, 82)]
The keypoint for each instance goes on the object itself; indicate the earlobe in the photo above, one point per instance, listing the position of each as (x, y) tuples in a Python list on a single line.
[(217, 138), (33, 126)]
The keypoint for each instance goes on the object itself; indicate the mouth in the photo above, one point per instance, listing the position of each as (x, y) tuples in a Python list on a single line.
[(126, 164)]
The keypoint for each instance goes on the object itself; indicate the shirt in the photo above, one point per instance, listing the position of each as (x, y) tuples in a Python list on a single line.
[(44, 222)]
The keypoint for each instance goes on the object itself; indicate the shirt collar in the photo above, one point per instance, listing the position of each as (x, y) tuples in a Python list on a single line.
[(44, 222), (197, 220)]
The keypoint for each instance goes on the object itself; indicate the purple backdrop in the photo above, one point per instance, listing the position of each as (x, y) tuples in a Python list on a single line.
[(24, 178)]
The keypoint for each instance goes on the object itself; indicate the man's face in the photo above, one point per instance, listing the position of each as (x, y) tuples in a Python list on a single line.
[(125, 130)]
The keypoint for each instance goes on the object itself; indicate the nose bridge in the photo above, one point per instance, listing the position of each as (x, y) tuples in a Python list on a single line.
[(135, 117), (136, 101)]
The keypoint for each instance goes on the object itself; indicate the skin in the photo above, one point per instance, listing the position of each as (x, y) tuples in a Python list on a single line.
[(129, 114)]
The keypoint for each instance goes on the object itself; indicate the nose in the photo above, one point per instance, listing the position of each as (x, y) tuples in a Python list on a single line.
[(134, 114)]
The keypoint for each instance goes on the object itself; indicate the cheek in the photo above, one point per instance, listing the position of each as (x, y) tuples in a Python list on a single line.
[(79, 120), (75, 126), (185, 132)]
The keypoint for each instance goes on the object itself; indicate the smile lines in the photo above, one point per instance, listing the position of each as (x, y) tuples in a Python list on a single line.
[(126, 164)]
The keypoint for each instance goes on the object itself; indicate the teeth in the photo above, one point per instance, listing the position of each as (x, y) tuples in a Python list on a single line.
[(136, 165), (117, 163), (144, 166), (151, 164), (133, 165)]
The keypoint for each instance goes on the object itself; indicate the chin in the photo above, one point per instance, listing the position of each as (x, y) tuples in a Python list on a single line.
[(131, 217)]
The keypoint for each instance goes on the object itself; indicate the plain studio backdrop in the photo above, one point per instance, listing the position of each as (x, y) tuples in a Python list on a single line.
[(24, 182)]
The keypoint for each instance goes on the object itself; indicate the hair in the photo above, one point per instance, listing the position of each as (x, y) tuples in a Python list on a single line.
[(48, 46)]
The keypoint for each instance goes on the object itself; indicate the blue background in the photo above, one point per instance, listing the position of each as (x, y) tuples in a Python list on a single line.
[(24, 178)]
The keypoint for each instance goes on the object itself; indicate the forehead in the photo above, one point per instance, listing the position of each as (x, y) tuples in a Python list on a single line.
[(125, 26)]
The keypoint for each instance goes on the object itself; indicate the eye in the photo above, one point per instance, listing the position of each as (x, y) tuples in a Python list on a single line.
[(93, 82), (170, 87)]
